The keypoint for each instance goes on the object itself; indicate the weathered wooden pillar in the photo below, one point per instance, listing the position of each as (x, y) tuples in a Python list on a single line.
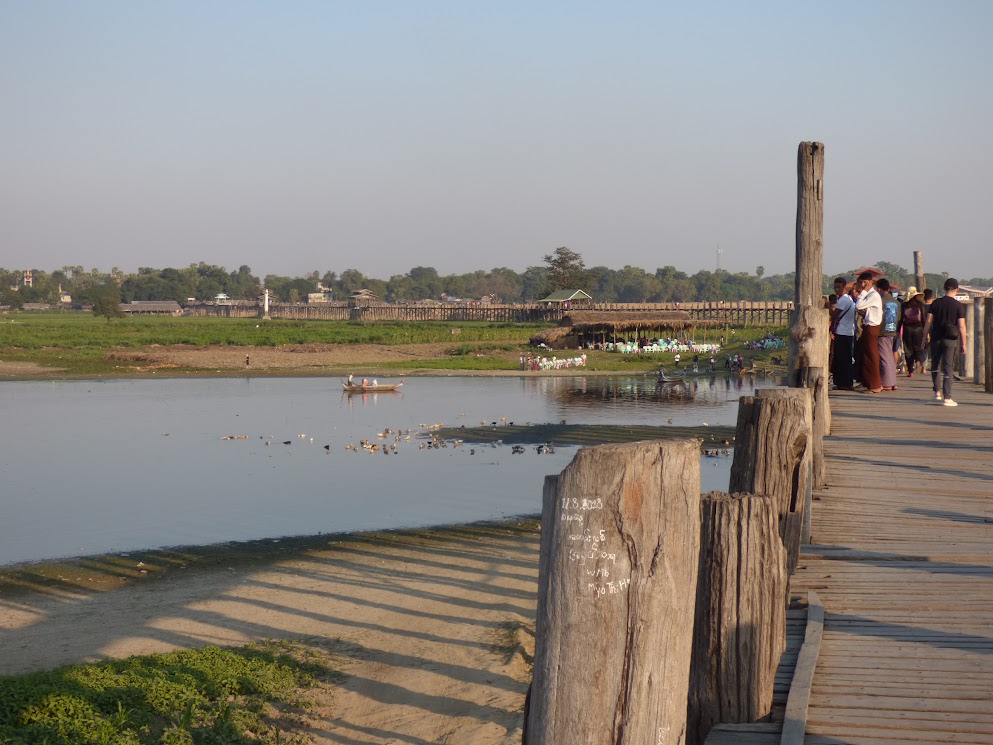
[(808, 364), (968, 366), (740, 628), (810, 321), (988, 341), (979, 343), (919, 271), (616, 592), (773, 456), (809, 224)]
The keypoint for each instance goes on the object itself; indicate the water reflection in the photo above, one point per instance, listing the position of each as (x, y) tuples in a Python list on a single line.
[(94, 466), (643, 399)]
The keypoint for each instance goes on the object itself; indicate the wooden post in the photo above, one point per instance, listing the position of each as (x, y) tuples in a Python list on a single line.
[(772, 455), (988, 339), (968, 367), (919, 270), (808, 362), (739, 632), (979, 343), (809, 337), (616, 589), (809, 224)]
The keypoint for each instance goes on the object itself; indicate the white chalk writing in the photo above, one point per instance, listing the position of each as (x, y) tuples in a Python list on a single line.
[(575, 503), (589, 547)]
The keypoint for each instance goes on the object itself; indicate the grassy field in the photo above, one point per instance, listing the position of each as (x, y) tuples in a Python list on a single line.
[(251, 694), (82, 330), (81, 345)]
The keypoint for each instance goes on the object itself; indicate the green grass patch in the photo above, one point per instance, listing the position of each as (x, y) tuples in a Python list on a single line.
[(81, 330), (80, 345), (209, 696)]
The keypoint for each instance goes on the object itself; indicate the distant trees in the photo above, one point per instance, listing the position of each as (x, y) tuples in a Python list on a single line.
[(108, 303), (561, 269), (566, 270), (201, 281)]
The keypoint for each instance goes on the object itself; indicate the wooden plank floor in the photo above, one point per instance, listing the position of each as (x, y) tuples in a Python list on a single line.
[(901, 555)]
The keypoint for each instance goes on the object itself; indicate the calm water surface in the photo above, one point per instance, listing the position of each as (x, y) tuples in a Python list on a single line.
[(94, 466)]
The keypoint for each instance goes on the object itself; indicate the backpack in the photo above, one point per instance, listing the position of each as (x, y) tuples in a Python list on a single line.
[(912, 314), (890, 312)]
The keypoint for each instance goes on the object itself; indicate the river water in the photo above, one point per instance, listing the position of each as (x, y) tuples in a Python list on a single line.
[(116, 465)]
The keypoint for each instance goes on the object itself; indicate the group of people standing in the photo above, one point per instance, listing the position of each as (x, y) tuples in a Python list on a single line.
[(869, 325)]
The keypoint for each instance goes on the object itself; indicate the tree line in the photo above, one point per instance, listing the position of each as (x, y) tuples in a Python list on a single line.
[(561, 269)]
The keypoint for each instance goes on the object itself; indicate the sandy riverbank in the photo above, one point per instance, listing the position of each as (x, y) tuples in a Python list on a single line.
[(434, 628)]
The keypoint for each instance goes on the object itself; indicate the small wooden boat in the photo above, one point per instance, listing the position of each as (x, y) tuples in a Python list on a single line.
[(667, 377), (378, 388)]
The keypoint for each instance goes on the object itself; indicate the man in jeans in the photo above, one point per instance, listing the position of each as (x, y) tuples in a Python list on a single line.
[(946, 327)]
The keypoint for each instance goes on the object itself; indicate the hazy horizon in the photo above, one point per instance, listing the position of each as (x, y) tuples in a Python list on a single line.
[(379, 137)]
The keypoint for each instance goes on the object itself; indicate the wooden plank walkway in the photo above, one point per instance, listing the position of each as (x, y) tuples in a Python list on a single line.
[(901, 556)]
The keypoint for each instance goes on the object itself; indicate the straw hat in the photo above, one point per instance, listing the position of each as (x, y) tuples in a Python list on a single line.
[(912, 293)]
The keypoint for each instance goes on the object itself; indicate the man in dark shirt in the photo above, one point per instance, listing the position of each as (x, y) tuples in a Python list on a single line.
[(946, 328)]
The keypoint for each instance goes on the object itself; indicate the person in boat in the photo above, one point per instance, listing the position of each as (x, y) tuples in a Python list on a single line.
[(365, 382), (375, 382), (351, 381)]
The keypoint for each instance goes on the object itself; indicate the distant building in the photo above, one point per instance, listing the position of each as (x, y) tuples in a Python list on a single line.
[(152, 308), (975, 292), (221, 297), (571, 298), (362, 297)]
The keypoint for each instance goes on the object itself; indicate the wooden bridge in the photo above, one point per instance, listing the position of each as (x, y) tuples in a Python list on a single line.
[(901, 556), (735, 313), (901, 559)]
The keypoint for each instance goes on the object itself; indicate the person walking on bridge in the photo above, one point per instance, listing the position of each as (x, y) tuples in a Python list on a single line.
[(945, 326), (912, 328)]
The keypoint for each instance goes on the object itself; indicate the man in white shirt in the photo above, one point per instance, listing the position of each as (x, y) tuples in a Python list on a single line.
[(870, 306), (843, 321)]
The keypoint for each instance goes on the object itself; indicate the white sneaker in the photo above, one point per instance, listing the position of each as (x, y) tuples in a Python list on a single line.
[(938, 396), (949, 402)]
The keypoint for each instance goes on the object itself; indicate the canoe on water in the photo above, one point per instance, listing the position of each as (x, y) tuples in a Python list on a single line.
[(380, 388), (664, 376)]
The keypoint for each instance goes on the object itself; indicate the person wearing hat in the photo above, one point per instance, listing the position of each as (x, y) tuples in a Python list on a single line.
[(869, 305), (912, 332)]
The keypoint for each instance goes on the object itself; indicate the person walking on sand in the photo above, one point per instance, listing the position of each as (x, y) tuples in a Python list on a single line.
[(870, 306), (945, 326)]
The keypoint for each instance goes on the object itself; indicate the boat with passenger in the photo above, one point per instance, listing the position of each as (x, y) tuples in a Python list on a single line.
[(350, 386)]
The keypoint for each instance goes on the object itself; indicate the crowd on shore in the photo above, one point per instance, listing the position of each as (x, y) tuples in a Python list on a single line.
[(877, 335)]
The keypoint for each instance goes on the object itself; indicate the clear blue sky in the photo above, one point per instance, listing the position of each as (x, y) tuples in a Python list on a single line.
[(294, 136)]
